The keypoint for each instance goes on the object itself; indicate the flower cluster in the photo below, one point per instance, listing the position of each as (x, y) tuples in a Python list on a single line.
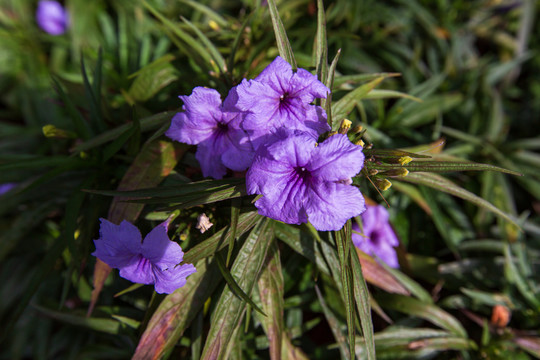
[(377, 238), (269, 126), (154, 260)]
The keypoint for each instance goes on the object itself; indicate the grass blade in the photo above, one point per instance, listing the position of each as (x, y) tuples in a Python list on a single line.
[(283, 44)]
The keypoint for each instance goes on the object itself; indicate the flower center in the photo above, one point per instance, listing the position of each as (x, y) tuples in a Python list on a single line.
[(284, 101), (222, 128), (302, 174)]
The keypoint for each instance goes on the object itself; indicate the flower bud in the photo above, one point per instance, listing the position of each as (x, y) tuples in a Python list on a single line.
[(345, 126), (383, 184)]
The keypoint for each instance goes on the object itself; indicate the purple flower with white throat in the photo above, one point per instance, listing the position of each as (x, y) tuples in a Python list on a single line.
[(215, 128), (52, 17), (279, 97), (377, 238), (301, 181), (152, 261)]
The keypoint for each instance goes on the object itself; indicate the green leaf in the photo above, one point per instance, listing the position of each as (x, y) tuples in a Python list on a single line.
[(302, 245), (514, 275), (176, 30), (390, 94), (442, 184), (321, 46), (176, 312), (345, 81), (207, 11), (346, 104), (361, 296), (343, 241), (109, 326), (334, 325), (426, 311), (148, 123), (155, 162), (93, 98), (81, 126), (230, 309), (329, 82), (442, 167), (235, 213), (283, 44), (211, 48), (152, 78), (426, 111), (233, 285), (271, 292)]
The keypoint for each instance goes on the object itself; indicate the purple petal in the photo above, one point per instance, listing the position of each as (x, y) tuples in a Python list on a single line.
[(306, 86), (118, 245), (277, 66), (200, 120), (378, 239), (52, 17), (138, 271), (284, 202), (278, 97), (169, 280), (336, 159), (4, 188), (210, 161), (160, 250), (329, 205), (184, 130)]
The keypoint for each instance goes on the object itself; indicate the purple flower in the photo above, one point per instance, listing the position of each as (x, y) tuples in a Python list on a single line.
[(378, 237), (4, 188), (279, 97), (152, 261), (215, 128), (301, 181), (52, 17)]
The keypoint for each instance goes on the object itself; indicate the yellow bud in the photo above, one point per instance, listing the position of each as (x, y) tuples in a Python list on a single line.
[(360, 143), (345, 126), (383, 184), (183, 237), (397, 172), (51, 131), (213, 25), (404, 160)]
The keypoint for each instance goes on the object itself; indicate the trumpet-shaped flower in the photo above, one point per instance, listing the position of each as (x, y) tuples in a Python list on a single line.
[(301, 181), (215, 128), (378, 238), (52, 17), (152, 261), (279, 97)]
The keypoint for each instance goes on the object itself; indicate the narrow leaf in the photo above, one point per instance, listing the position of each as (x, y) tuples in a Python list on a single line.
[(175, 313), (283, 44), (321, 46), (233, 285), (270, 286), (440, 183), (346, 104), (429, 312), (230, 309), (442, 167)]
